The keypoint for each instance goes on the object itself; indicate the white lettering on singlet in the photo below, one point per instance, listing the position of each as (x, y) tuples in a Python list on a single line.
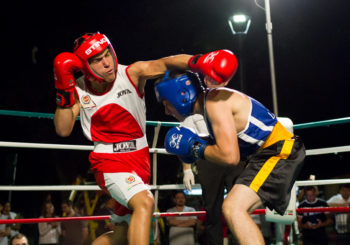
[(125, 146)]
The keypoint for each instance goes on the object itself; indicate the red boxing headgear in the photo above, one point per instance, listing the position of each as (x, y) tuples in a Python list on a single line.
[(90, 45)]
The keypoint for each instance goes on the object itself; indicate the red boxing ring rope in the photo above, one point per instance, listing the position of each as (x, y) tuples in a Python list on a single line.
[(158, 215), (58, 219)]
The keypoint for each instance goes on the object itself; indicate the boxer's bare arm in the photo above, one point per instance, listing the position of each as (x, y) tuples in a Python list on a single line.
[(142, 71), (65, 118), (226, 149)]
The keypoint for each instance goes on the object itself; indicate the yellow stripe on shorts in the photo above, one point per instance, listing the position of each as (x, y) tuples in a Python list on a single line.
[(268, 166)]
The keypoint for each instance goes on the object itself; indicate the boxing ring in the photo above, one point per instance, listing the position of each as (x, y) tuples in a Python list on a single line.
[(155, 187)]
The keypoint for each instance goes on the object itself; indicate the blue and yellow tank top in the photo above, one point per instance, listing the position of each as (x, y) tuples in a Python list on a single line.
[(259, 126)]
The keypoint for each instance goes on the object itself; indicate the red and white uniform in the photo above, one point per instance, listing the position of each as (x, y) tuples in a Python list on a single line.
[(116, 122)]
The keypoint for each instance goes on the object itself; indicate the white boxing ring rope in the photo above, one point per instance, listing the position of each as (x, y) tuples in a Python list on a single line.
[(319, 151), (152, 150), (155, 151), (153, 187), (61, 146)]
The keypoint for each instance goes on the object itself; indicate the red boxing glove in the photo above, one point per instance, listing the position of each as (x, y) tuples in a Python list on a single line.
[(64, 66), (220, 65)]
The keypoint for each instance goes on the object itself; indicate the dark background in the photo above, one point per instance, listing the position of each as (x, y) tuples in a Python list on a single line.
[(311, 50)]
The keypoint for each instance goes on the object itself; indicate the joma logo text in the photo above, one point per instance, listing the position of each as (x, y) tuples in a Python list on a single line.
[(123, 92), (125, 146)]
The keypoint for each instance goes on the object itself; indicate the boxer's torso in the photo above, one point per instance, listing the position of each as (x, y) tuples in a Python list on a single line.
[(259, 125), (118, 115), (116, 122)]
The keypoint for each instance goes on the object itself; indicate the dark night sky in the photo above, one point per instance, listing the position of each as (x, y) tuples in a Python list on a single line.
[(311, 49)]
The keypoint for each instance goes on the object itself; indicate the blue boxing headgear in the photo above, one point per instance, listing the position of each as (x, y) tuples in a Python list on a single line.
[(180, 91)]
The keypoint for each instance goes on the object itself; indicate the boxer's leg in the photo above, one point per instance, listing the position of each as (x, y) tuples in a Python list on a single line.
[(142, 205), (240, 201), (133, 194)]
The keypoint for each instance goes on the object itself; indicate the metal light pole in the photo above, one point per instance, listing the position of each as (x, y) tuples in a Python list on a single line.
[(239, 25), (272, 64)]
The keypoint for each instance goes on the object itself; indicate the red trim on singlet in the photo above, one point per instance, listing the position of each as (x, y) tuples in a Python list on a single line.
[(133, 84), (113, 123)]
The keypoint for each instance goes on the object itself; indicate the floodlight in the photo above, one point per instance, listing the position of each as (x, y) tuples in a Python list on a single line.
[(239, 23)]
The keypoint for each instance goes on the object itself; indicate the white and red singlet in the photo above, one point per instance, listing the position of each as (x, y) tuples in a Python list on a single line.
[(116, 122)]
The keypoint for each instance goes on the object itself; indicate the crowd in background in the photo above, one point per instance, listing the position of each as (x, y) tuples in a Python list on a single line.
[(312, 228)]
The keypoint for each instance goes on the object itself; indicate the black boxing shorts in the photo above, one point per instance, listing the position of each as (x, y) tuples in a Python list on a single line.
[(272, 171)]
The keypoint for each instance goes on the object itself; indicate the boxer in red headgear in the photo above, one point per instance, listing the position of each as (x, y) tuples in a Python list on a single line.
[(92, 45), (110, 100)]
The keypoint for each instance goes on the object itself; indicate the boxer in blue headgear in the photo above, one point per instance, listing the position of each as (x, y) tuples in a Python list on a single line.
[(241, 130), (180, 91)]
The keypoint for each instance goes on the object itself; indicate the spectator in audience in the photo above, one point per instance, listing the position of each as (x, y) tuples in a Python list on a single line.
[(49, 232), (106, 208), (19, 239), (73, 232), (80, 205), (181, 227), (11, 215), (313, 225), (300, 195), (5, 230), (342, 220)]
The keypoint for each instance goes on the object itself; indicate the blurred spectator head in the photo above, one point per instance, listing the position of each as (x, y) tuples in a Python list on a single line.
[(106, 202), (110, 202), (7, 208), (310, 193), (48, 210), (345, 191), (19, 239), (67, 207), (180, 199)]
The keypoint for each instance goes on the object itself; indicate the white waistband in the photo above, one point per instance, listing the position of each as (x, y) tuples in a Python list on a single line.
[(121, 147)]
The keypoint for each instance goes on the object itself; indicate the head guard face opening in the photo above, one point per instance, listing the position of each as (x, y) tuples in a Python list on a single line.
[(90, 45), (181, 92)]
